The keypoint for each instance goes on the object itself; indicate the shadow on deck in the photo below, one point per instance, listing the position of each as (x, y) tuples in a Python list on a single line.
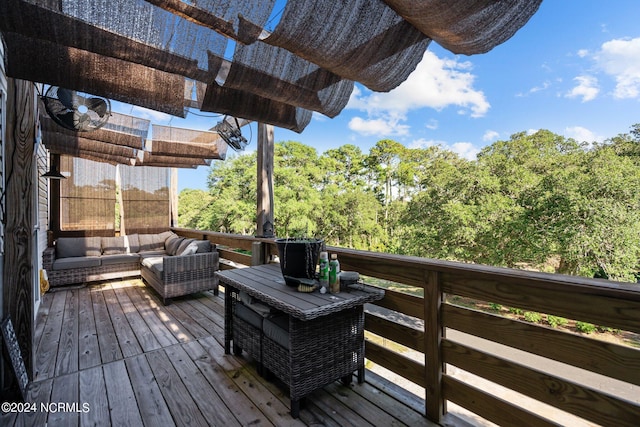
[(112, 354)]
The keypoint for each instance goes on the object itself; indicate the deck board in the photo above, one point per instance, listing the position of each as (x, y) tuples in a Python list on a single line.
[(67, 360), (135, 362), (181, 405), (123, 408), (47, 349), (146, 338), (126, 337), (94, 395), (107, 339), (89, 349), (153, 409)]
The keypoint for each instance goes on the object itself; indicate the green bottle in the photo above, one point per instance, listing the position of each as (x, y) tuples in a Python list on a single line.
[(324, 272), (334, 274)]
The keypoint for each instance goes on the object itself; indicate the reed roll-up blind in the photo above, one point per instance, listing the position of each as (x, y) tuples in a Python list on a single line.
[(88, 195), (145, 198)]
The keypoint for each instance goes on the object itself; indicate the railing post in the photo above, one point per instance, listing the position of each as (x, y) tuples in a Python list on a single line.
[(257, 253), (435, 405)]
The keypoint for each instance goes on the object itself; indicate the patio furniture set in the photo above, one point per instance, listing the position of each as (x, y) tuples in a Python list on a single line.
[(170, 264), (307, 340)]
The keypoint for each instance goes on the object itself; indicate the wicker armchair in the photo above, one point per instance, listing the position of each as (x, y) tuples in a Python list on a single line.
[(183, 275)]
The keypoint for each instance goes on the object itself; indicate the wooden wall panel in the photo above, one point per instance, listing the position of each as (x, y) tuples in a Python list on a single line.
[(18, 261)]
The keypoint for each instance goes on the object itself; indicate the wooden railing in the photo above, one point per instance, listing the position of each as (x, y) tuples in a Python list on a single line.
[(551, 366)]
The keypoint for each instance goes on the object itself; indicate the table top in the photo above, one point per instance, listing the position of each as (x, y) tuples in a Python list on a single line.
[(266, 283)]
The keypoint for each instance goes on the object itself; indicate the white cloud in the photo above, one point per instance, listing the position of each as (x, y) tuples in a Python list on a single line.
[(432, 124), (583, 53), (490, 135), (464, 149), (620, 58), (380, 126), (587, 88), (436, 83), (154, 116), (545, 85), (582, 134)]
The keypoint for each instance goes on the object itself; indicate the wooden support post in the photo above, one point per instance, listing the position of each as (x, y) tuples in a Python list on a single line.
[(257, 253), (54, 200), (435, 406), (18, 273), (264, 218), (173, 198)]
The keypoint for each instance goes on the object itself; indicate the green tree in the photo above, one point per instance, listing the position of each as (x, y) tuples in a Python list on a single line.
[(192, 207), (296, 182)]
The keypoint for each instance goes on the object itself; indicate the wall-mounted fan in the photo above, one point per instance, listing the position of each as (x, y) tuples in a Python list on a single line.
[(231, 135), (75, 110)]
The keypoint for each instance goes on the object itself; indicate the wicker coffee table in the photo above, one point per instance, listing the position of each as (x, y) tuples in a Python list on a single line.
[(326, 332)]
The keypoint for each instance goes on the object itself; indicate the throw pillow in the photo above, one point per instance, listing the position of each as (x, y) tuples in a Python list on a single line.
[(172, 244), (183, 245), (190, 249)]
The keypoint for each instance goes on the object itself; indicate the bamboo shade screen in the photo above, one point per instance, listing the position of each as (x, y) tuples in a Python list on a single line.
[(358, 40), (88, 195), (151, 53), (145, 198), (171, 141), (276, 73)]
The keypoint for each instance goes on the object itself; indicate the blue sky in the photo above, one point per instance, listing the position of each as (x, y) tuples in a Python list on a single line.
[(573, 69)]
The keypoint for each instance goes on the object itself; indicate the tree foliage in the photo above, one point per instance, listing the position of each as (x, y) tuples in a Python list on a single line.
[(537, 200)]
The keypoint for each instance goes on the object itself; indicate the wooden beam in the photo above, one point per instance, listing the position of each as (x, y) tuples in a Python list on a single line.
[(18, 274), (265, 181)]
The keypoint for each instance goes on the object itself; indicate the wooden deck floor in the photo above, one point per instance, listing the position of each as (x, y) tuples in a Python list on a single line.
[(117, 356)]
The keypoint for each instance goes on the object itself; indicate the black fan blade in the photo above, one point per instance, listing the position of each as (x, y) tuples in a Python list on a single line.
[(66, 120), (66, 97), (98, 105)]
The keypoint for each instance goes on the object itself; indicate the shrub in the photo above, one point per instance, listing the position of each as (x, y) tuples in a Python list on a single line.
[(532, 316), (495, 306), (516, 311), (607, 329), (555, 321), (585, 328)]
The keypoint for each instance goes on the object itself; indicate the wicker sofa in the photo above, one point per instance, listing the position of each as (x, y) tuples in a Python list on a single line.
[(170, 264)]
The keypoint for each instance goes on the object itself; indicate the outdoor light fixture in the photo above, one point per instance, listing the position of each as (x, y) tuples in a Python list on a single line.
[(53, 174), (231, 135)]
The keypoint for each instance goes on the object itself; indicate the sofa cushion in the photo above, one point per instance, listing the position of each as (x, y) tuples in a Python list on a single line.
[(151, 242), (119, 259), (151, 254), (67, 247), (76, 262), (276, 328), (155, 264), (248, 315), (172, 243), (203, 246), (113, 245), (165, 235), (254, 304), (132, 242)]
